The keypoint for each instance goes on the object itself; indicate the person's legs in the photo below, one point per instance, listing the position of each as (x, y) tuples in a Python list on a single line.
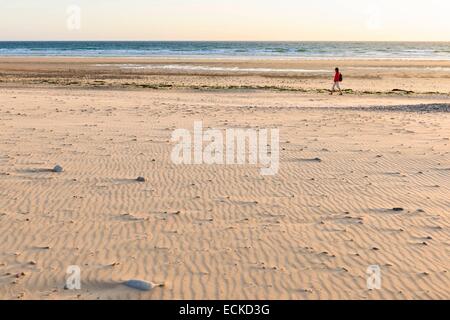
[(339, 87), (333, 88)]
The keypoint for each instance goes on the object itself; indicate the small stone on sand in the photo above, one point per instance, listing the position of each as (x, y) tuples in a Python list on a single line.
[(141, 285), (58, 169)]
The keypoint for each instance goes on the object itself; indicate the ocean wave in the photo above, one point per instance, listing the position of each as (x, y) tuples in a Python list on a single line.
[(302, 50)]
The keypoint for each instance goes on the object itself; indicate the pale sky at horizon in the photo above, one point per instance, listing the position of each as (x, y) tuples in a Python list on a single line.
[(318, 20)]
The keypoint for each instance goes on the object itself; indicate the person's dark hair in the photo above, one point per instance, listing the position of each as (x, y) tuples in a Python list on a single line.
[(337, 69)]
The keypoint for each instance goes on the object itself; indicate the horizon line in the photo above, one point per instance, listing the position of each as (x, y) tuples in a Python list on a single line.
[(119, 40)]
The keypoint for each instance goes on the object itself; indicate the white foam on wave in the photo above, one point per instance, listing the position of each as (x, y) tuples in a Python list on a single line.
[(210, 68)]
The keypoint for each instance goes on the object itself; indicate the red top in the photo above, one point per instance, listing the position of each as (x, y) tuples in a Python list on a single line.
[(337, 77)]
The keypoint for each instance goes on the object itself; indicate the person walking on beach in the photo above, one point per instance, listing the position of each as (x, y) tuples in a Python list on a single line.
[(337, 80)]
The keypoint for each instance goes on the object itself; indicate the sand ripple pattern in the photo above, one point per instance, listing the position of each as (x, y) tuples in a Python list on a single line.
[(219, 232)]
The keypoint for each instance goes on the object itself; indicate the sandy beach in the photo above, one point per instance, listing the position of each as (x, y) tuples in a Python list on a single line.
[(224, 231), (362, 77)]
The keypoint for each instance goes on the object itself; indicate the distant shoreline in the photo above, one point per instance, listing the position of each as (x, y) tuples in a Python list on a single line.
[(370, 77), (222, 58)]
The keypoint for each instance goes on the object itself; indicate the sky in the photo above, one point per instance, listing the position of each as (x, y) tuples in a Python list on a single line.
[(271, 20)]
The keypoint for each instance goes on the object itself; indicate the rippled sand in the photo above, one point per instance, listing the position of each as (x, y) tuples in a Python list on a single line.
[(221, 232)]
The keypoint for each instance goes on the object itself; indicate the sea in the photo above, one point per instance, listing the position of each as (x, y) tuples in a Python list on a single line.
[(231, 49)]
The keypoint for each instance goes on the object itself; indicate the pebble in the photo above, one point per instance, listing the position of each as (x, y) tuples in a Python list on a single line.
[(140, 179), (58, 169), (141, 285)]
